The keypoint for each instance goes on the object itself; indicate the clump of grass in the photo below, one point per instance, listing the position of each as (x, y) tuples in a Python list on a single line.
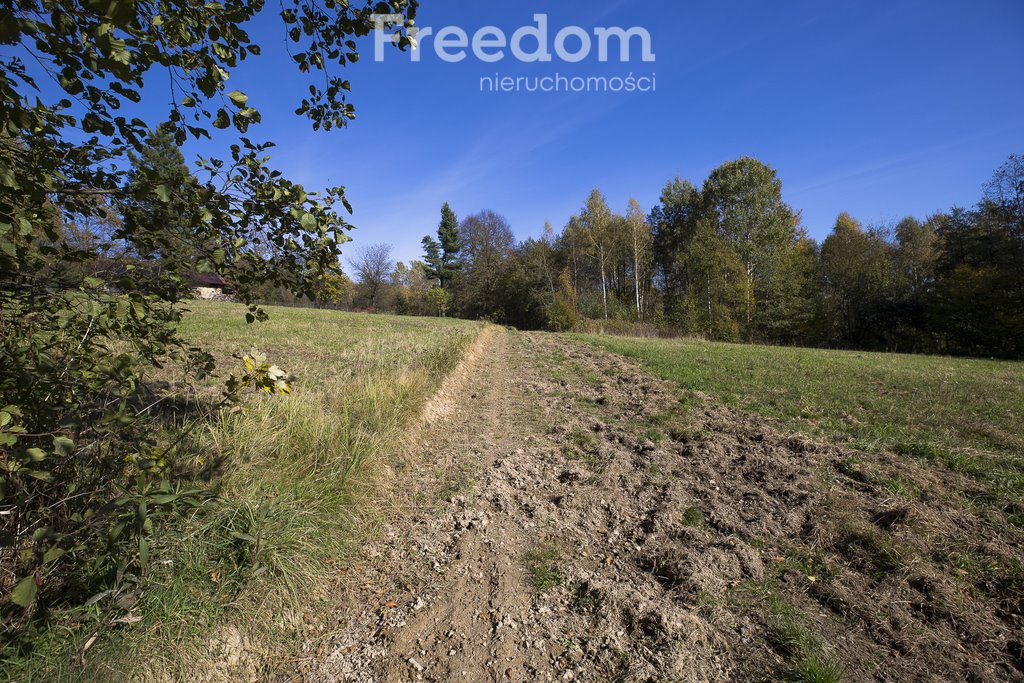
[(807, 656), (583, 440), (901, 487), (693, 517), (804, 647), (957, 462), (810, 563), (850, 467), (542, 567), (788, 628), (654, 434), (817, 669), (1003, 478)]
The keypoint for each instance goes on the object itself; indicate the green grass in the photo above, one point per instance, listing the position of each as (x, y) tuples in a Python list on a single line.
[(296, 475), (808, 658), (541, 566), (965, 413), (693, 517), (815, 669)]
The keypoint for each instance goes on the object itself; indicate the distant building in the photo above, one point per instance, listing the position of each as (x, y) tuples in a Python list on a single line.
[(209, 286)]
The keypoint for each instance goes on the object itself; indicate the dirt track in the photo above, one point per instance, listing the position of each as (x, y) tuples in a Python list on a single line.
[(685, 542)]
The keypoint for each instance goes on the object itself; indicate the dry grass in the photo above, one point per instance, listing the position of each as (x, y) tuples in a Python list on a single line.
[(299, 480)]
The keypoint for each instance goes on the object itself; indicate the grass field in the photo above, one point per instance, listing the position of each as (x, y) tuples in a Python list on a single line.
[(966, 413), (296, 475)]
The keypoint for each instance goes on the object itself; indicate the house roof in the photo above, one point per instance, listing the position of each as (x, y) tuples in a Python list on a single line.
[(205, 280)]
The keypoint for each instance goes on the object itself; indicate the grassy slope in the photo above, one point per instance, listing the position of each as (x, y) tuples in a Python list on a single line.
[(290, 470), (965, 412)]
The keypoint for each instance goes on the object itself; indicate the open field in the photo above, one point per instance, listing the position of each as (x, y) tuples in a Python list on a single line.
[(296, 477), (965, 413), (675, 511), (617, 527)]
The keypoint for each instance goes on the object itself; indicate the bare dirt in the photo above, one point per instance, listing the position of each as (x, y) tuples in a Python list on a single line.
[(590, 522)]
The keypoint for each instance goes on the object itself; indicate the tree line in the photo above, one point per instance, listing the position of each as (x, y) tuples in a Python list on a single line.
[(729, 260)]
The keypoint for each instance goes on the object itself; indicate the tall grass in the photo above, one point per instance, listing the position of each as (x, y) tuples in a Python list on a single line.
[(296, 479)]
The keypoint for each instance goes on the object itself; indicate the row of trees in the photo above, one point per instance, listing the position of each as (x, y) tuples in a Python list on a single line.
[(731, 260), (735, 263)]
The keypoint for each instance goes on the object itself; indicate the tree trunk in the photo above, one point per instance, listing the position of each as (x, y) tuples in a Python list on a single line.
[(604, 283), (636, 277), (710, 319)]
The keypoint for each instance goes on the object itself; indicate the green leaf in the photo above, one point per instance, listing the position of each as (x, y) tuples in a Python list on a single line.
[(96, 598), (52, 554), (163, 498), (222, 120), (238, 97), (218, 256), (36, 454), (25, 592), (163, 193), (62, 445)]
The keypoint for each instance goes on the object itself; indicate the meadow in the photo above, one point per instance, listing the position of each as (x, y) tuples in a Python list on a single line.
[(965, 413)]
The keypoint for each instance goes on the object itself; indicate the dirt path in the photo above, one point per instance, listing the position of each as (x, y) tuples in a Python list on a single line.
[(606, 526)]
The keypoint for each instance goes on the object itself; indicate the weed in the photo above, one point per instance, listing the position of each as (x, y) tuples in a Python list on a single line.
[(693, 517), (542, 566), (817, 669), (788, 628), (850, 467), (583, 440), (901, 487), (587, 599), (654, 434)]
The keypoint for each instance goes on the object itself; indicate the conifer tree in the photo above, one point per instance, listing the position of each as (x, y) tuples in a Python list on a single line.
[(442, 254)]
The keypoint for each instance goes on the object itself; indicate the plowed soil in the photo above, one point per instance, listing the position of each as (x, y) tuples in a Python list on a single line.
[(587, 521)]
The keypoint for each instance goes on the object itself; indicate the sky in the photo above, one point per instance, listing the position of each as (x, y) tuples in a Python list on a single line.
[(881, 109)]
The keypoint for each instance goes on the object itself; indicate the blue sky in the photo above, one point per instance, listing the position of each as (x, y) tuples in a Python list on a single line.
[(882, 109)]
